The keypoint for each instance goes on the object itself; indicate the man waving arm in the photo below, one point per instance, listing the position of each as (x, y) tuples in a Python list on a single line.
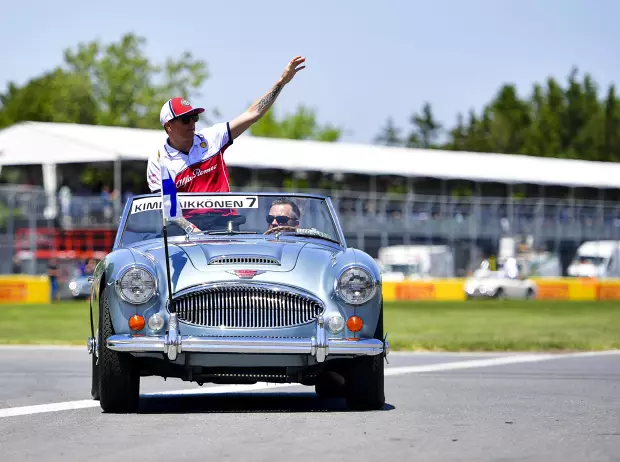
[(259, 108)]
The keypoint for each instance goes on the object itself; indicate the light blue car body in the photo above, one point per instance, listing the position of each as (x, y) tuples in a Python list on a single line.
[(306, 266)]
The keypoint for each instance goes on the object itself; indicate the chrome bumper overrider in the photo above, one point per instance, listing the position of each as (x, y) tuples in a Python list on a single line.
[(318, 346)]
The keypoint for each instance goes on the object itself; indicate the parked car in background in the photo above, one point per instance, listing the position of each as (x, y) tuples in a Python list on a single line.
[(596, 259), (509, 280), (415, 262), (79, 286)]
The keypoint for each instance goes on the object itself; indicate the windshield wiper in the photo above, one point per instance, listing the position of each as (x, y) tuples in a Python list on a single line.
[(315, 233)]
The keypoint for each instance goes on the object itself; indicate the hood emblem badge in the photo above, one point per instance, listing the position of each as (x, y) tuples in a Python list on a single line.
[(245, 273)]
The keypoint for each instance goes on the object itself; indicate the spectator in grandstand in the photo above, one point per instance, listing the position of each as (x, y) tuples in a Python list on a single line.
[(52, 272), (107, 198), (196, 159), (90, 267), (64, 198), (128, 194), (17, 265), (81, 269), (283, 212), (511, 268)]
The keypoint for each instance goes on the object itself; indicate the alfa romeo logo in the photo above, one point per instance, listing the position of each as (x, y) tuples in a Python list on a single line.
[(184, 102)]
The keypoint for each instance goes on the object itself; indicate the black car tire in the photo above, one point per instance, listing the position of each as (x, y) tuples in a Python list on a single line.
[(119, 378), (365, 381), (530, 294)]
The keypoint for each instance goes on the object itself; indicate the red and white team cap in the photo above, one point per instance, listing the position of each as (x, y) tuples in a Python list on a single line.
[(176, 107)]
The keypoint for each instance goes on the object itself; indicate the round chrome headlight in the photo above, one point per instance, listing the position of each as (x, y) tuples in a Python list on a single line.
[(136, 285), (355, 286)]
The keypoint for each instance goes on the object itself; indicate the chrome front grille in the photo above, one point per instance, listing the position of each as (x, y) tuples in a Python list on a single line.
[(244, 260), (258, 306)]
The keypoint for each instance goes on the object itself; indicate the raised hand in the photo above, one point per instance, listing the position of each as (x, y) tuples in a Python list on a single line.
[(292, 68)]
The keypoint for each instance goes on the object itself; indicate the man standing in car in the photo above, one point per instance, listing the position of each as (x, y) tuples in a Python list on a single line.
[(196, 159)]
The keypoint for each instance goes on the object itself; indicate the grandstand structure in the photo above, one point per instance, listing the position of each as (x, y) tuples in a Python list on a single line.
[(385, 195), (50, 144)]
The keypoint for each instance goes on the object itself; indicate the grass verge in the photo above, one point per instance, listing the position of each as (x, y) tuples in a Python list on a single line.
[(434, 326), (490, 325)]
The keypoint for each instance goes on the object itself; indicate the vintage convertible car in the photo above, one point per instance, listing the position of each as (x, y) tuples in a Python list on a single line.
[(266, 290), (498, 284), (79, 286)]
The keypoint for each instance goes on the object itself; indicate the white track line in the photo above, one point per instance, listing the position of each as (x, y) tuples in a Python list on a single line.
[(43, 347), (504, 360), (83, 404), (390, 371)]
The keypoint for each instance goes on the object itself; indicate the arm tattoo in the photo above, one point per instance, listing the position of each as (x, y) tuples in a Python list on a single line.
[(267, 100)]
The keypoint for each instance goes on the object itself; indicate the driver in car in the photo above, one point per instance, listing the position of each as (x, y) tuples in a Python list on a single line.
[(283, 213)]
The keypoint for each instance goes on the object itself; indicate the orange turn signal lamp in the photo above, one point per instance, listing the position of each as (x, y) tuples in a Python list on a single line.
[(136, 322), (355, 323)]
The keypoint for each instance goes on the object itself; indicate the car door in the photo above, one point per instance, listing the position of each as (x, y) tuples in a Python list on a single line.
[(511, 287)]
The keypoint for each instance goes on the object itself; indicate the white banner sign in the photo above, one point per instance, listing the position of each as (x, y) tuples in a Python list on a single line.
[(198, 202)]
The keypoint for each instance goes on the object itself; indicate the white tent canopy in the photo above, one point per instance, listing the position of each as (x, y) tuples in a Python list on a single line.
[(39, 143)]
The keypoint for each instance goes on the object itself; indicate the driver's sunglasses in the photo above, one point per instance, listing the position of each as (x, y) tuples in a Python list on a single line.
[(281, 219), (186, 119)]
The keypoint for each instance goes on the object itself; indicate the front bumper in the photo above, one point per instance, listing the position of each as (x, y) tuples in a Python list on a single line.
[(318, 346), (478, 294)]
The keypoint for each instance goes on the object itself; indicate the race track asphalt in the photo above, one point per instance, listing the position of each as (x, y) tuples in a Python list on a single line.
[(440, 407)]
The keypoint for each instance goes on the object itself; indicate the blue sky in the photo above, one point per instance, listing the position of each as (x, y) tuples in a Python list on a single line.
[(367, 60)]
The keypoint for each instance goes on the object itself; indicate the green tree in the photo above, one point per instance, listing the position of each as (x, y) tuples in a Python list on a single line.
[(389, 134), (4, 119), (509, 120), (479, 132), (471, 130), (610, 147), (267, 126), (457, 136), (56, 96), (426, 129), (301, 125), (571, 122), (112, 84), (127, 87), (544, 137), (582, 118)]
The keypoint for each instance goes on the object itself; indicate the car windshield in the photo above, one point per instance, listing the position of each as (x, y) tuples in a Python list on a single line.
[(217, 214), (588, 259), (406, 269), (488, 274)]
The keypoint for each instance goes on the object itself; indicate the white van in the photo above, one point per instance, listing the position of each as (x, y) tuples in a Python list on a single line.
[(600, 259), (411, 262)]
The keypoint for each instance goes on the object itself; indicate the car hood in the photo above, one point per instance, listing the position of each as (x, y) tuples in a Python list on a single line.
[(211, 260), (217, 255)]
